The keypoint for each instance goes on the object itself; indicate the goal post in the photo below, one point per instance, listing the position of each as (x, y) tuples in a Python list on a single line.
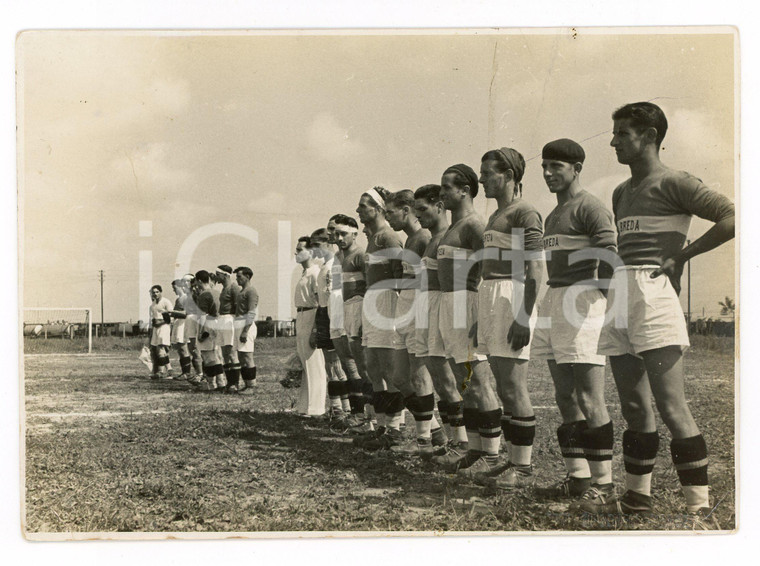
[(64, 322)]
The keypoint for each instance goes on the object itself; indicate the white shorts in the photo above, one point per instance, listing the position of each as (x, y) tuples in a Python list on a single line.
[(404, 335), (246, 346), (378, 312), (572, 331), (210, 343), (160, 335), (647, 313), (457, 314), (352, 316), (178, 331), (497, 300), (335, 312), (428, 336), (191, 326), (225, 330)]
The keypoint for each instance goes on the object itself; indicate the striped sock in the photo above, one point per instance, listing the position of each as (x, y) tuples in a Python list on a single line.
[(186, 364), (423, 419), (443, 414), (394, 410), (410, 402), (333, 392), (597, 446), (234, 375), (355, 397), (456, 422), (470, 416), (639, 454), (522, 432), (690, 459), (345, 404), (490, 431), (249, 375), (569, 439), (505, 418), (218, 372)]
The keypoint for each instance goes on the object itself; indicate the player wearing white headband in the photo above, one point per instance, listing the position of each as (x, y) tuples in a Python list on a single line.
[(382, 268), (353, 288), (352, 387)]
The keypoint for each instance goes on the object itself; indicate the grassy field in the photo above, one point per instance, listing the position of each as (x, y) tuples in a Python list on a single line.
[(108, 450)]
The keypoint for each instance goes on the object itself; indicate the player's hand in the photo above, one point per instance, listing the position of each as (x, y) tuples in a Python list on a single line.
[(518, 336), (313, 340), (204, 335), (673, 268), (243, 338), (473, 334)]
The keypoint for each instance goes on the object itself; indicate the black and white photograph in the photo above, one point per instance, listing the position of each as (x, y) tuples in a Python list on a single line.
[(352, 282)]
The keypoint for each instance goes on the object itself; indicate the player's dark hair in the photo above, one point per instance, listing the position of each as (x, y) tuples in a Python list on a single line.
[(430, 193), (502, 165), (404, 197), (203, 276), (160, 290), (224, 268), (319, 236), (177, 282), (247, 271), (351, 222), (306, 240), (464, 176), (644, 115)]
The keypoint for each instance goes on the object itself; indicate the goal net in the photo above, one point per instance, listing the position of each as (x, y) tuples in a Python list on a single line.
[(57, 330)]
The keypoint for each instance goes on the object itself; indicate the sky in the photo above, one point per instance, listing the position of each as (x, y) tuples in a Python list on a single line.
[(272, 134), (194, 14)]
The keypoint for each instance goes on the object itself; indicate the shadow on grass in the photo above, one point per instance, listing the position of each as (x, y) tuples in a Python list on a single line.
[(314, 444)]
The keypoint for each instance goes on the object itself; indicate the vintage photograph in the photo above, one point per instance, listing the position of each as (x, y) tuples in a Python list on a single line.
[(360, 282)]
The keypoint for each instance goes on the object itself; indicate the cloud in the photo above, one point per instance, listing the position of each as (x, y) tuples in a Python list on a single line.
[(148, 167), (171, 96), (329, 141), (271, 203)]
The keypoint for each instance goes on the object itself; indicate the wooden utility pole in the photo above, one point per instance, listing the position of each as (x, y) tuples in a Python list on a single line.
[(101, 299)]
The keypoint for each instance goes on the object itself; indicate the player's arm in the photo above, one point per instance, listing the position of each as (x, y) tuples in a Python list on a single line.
[(250, 316), (601, 227), (315, 298), (395, 250), (709, 205), (519, 333)]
